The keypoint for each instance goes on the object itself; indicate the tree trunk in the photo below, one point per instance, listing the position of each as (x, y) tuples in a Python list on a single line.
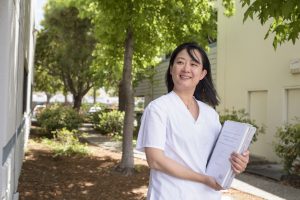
[(48, 95), (77, 101), (94, 95), (126, 165), (122, 96), (66, 98)]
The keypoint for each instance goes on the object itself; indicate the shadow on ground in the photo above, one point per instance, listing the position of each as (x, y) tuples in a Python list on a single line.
[(92, 178)]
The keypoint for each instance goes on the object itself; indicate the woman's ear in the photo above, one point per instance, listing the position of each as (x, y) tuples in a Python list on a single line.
[(203, 74)]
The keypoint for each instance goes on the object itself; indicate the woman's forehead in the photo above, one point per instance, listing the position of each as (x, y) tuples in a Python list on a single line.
[(194, 54)]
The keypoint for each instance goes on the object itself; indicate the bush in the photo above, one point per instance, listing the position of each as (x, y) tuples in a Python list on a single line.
[(241, 116), (66, 143), (288, 147), (56, 117), (90, 115), (111, 122)]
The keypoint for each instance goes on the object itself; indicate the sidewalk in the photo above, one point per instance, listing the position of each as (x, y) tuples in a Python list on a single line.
[(249, 183)]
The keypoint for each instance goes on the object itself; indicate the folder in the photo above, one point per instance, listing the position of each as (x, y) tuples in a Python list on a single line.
[(234, 137)]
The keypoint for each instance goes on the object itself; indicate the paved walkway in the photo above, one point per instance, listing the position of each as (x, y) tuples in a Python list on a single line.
[(249, 183)]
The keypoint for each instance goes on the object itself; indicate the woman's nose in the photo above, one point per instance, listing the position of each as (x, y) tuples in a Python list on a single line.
[(187, 67)]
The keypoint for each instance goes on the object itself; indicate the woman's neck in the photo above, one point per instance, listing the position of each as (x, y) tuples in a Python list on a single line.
[(186, 96)]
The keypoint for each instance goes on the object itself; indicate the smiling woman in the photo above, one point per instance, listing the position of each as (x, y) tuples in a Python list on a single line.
[(179, 130)]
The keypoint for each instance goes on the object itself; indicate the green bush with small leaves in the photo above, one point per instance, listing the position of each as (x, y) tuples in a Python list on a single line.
[(66, 143), (56, 117), (93, 117), (288, 147), (241, 116), (111, 122)]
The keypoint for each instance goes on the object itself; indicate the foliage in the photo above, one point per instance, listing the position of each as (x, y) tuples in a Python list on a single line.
[(43, 81), (111, 122), (165, 24), (66, 143), (288, 147), (241, 116), (64, 50), (284, 16), (94, 117), (229, 7), (135, 33), (56, 117)]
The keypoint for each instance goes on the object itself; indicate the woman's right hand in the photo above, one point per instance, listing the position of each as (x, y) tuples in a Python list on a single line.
[(211, 182)]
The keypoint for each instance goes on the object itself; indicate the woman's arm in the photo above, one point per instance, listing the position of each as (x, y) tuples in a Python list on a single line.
[(157, 160)]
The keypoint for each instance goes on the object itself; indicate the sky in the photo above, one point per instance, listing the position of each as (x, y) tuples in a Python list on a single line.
[(39, 13)]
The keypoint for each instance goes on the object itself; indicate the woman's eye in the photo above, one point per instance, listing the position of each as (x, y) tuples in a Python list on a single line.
[(179, 62)]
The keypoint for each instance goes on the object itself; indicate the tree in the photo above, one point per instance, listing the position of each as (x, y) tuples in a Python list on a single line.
[(144, 30), (284, 16), (44, 82), (67, 49)]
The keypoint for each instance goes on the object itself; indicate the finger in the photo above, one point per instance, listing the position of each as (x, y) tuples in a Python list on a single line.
[(246, 153), (236, 170), (238, 165), (242, 158)]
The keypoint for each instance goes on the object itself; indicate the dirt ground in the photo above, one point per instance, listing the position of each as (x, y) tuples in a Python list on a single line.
[(85, 178)]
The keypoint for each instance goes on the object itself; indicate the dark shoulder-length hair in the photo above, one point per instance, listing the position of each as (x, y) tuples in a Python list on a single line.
[(205, 90)]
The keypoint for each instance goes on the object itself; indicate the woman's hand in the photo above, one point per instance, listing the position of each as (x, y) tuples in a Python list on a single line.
[(211, 182), (239, 161)]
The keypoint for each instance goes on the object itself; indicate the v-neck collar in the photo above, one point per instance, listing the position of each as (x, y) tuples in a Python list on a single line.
[(183, 106)]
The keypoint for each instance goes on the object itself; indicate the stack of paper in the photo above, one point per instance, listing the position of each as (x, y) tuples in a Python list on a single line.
[(234, 137)]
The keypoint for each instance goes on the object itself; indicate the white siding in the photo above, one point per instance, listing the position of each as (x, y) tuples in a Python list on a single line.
[(16, 55)]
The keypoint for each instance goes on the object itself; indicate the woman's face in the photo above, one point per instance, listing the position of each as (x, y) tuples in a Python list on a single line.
[(186, 72)]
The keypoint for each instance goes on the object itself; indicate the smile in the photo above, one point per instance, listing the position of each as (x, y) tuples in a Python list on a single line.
[(184, 77)]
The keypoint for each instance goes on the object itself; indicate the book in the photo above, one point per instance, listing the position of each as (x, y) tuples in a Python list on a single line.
[(234, 137)]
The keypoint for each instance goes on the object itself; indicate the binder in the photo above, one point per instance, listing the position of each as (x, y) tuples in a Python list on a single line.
[(234, 137)]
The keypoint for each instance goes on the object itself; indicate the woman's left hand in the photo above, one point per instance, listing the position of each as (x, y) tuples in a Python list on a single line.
[(239, 161)]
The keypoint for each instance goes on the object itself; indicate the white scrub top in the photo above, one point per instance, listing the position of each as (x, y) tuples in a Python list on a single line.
[(168, 125)]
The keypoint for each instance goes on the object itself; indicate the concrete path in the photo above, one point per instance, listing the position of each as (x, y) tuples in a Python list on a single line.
[(249, 183)]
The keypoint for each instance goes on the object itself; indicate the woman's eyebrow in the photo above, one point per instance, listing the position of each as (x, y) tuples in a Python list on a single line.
[(197, 61)]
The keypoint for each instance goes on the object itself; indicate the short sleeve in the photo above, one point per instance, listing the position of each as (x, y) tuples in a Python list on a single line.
[(152, 131), (218, 123)]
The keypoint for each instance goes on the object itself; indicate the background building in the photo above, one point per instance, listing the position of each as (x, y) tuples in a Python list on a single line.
[(252, 75)]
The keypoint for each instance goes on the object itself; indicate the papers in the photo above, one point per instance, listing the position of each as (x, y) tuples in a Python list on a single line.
[(234, 137)]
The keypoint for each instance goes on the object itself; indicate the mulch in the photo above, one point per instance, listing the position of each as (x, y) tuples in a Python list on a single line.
[(93, 177)]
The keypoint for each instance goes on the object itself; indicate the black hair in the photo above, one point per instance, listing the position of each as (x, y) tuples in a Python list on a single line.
[(205, 90)]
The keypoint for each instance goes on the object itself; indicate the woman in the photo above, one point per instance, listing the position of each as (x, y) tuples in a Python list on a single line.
[(179, 130)]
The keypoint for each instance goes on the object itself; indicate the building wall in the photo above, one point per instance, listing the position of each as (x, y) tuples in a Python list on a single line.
[(254, 76), (16, 55)]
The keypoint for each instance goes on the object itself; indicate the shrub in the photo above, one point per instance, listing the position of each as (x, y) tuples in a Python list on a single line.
[(92, 116), (95, 118), (66, 143), (56, 117), (241, 116), (111, 122), (288, 147)]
